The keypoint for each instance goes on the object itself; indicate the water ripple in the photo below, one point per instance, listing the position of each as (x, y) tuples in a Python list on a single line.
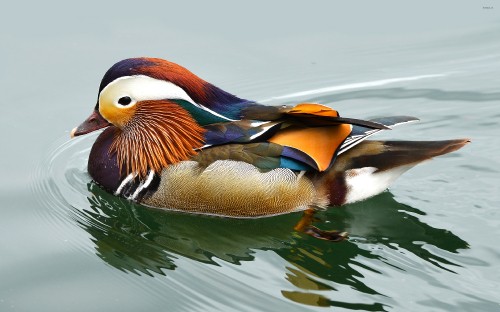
[(191, 256), (358, 85)]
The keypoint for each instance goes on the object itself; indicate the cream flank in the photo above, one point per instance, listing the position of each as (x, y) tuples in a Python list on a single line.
[(234, 189)]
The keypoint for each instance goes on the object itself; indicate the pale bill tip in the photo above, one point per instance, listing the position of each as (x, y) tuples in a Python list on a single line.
[(72, 133)]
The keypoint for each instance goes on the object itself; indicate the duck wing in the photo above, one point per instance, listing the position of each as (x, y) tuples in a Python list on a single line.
[(310, 136), (360, 133)]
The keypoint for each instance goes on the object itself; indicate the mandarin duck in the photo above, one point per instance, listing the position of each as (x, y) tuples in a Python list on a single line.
[(175, 141)]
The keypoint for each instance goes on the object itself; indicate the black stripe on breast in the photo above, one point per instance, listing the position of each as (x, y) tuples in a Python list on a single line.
[(149, 190)]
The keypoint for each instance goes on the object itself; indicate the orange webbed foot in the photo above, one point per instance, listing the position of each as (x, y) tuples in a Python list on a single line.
[(305, 226)]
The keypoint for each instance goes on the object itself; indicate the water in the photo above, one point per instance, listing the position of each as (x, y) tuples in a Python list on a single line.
[(427, 244)]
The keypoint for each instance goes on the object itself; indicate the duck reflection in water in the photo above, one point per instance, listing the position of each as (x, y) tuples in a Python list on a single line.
[(143, 240)]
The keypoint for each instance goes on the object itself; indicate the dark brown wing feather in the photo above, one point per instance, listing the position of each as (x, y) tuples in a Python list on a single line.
[(385, 155)]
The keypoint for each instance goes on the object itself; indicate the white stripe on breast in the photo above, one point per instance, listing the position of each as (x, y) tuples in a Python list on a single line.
[(124, 182), (143, 185)]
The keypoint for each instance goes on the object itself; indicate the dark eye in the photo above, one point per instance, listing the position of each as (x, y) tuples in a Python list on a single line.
[(125, 100)]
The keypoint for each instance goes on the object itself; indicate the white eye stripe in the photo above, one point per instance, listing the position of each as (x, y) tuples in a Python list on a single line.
[(143, 88)]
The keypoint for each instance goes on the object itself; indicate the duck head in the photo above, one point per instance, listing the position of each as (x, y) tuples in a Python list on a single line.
[(157, 110)]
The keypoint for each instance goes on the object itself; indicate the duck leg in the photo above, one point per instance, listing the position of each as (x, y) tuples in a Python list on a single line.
[(305, 226)]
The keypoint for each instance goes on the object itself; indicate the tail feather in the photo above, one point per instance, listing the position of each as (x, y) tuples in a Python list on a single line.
[(392, 154), (369, 168)]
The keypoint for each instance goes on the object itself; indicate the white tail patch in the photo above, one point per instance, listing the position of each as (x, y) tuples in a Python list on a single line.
[(366, 182)]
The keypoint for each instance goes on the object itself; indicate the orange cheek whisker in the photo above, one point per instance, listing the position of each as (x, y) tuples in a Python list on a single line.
[(160, 133)]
